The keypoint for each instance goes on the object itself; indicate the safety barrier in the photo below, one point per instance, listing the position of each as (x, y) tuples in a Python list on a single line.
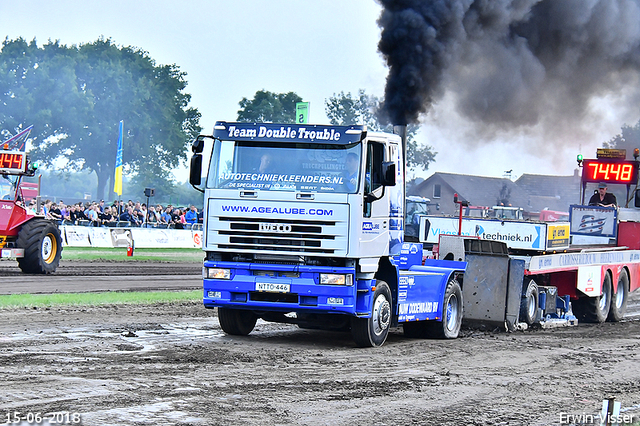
[(87, 236)]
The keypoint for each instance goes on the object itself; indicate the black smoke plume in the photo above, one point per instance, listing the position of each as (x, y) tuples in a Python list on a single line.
[(508, 63)]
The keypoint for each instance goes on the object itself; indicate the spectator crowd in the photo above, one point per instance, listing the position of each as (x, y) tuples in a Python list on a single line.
[(120, 214)]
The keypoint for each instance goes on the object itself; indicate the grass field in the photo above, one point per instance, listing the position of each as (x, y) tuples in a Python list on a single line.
[(93, 299), (120, 254), (111, 254)]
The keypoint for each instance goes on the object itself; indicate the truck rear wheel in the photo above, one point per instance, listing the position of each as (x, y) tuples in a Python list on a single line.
[(236, 322), (372, 332), (529, 303), (619, 300), (595, 309), (42, 246), (449, 327)]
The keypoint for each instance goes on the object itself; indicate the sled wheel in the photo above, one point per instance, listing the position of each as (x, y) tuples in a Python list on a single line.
[(449, 327), (529, 303), (236, 322), (619, 300), (42, 246), (595, 309), (372, 332)]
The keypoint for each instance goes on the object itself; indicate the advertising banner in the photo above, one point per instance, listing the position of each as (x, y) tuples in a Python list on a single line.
[(86, 236), (518, 235), (593, 220)]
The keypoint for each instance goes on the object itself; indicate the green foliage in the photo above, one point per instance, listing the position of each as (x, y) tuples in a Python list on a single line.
[(628, 139), (76, 96), (343, 109), (268, 107)]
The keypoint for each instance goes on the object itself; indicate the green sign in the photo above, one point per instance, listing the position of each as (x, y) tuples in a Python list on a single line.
[(302, 113)]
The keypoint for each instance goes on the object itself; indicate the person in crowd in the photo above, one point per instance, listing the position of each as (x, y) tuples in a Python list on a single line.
[(151, 219), (46, 207), (107, 217), (191, 216), (54, 213), (176, 216), (101, 206), (91, 212), (80, 209), (602, 197), (201, 216), (32, 208), (166, 215), (130, 216), (64, 210)]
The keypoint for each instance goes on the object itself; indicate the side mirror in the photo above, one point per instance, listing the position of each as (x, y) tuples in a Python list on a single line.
[(388, 173), (198, 145), (195, 171)]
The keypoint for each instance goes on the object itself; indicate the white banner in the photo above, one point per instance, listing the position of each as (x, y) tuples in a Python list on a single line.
[(86, 236)]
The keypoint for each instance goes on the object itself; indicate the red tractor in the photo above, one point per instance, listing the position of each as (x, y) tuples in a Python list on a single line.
[(29, 237)]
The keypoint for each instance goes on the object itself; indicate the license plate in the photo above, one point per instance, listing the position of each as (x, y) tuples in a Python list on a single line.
[(273, 287)]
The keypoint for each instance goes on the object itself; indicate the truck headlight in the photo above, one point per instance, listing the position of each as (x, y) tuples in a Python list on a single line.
[(217, 273), (336, 279)]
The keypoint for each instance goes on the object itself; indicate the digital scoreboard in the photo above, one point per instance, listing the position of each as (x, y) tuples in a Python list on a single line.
[(13, 162), (610, 171)]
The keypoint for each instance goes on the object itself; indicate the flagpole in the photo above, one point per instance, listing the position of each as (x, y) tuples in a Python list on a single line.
[(117, 184)]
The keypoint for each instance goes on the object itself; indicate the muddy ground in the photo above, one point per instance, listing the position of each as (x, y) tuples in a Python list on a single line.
[(171, 364)]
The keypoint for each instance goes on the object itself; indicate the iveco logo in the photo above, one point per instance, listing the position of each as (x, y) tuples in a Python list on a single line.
[(275, 227)]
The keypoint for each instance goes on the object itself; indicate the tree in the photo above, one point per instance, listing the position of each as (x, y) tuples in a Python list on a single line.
[(628, 139), (76, 96), (343, 109), (268, 107)]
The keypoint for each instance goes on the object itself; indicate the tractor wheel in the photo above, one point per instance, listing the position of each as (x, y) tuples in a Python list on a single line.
[(42, 246), (372, 332), (237, 322), (595, 309), (619, 300)]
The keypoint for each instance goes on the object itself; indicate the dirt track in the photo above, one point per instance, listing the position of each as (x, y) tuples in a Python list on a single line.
[(171, 364)]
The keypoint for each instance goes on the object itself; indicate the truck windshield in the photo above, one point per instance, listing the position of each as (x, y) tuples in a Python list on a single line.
[(272, 166)]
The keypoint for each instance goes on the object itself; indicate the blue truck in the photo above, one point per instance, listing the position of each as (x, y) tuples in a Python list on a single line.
[(304, 224)]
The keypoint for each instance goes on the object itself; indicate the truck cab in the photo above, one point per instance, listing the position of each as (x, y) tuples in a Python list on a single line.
[(304, 224)]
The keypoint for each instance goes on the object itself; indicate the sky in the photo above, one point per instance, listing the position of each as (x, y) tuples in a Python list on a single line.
[(319, 48)]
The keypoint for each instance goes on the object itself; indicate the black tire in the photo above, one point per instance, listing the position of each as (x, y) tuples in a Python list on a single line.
[(236, 322), (529, 302), (452, 305), (372, 332), (619, 300), (42, 246), (595, 309)]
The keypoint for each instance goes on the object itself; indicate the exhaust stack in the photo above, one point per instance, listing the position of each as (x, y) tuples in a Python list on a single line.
[(401, 130)]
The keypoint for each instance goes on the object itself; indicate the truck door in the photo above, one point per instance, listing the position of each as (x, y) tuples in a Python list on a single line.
[(374, 239)]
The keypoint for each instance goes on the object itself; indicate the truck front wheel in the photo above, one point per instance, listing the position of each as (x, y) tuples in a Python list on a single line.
[(595, 309), (372, 332), (619, 300), (42, 246), (236, 322)]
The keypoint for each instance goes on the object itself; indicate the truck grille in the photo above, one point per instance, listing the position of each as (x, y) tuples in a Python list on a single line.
[(299, 237), (276, 227)]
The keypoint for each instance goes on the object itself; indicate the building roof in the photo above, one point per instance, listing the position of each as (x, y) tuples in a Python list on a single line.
[(531, 192)]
